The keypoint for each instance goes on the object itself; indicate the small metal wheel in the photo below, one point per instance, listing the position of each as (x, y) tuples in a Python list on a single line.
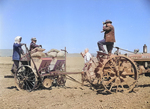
[(25, 78), (119, 74), (47, 83)]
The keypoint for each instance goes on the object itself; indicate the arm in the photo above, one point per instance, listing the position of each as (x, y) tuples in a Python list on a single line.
[(108, 28), (34, 45), (21, 51), (83, 54), (17, 45)]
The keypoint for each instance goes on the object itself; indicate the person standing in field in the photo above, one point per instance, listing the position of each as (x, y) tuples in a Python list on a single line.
[(109, 37), (86, 55), (87, 72), (17, 51), (33, 44)]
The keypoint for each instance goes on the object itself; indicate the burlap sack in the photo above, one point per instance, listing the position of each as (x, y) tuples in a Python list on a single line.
[(40, 49), (37, 50), (52, 54), (38, 54), (53, 50), (61, 54)]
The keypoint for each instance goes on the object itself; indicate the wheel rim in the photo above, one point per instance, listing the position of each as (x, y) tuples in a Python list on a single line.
[(25, 78), (119, 74)]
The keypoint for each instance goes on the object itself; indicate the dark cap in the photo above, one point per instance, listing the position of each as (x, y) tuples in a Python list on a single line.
[(108, 21), (34, 39)]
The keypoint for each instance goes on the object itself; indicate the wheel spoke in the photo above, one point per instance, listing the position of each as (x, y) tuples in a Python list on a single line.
[(31, 83), (31, 73), (31, 76), (19, 78), (31, 80), (27, 86), (112, 70), (114, 64), (117, 89), (108, 82), (111, 87)]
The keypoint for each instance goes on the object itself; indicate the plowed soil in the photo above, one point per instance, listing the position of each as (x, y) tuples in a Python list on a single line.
[(73, 96)]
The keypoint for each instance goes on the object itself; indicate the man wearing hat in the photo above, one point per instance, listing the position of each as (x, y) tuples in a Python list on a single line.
[(109, 37), (33, 44)]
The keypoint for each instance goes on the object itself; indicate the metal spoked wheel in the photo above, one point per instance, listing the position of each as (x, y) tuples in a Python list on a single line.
[(25, 78), (119, 74)]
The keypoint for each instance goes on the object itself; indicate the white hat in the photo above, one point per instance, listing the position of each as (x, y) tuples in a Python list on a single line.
[(17, 39)]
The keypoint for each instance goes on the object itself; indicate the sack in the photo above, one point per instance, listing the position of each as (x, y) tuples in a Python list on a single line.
[(38, 50), (38, 54), (61, 54), (53, 50), (52, 54)]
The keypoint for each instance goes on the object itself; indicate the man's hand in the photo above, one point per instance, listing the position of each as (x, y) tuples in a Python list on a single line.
[(40, 46)]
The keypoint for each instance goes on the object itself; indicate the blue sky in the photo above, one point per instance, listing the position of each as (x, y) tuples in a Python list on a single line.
[(75, 24)]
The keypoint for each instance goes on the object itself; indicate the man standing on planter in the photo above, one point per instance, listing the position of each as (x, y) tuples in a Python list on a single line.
[(109, 37)]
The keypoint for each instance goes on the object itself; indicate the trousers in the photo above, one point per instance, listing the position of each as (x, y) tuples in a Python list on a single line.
[(15, 66), (109, 46)]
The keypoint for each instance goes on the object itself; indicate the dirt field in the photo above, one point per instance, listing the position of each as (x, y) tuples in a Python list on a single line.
[(73, 97)]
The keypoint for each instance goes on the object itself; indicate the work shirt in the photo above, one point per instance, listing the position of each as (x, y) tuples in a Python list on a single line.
[(33, 45), (87, 57), (109, 35)]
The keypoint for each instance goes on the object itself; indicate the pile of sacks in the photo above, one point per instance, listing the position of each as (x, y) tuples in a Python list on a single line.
[(55, 53), (52, 53)]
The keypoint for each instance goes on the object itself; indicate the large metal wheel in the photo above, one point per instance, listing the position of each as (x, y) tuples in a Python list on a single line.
[(25, 78), (119, 74)]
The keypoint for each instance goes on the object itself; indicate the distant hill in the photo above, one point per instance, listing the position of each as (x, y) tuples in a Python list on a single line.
[(78, 55), (73, 55), (6, 52)]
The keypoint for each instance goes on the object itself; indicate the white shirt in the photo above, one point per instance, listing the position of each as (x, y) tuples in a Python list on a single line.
[(87, 57)]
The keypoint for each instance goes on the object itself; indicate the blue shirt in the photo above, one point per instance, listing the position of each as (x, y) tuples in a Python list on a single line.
[(16, 51)]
